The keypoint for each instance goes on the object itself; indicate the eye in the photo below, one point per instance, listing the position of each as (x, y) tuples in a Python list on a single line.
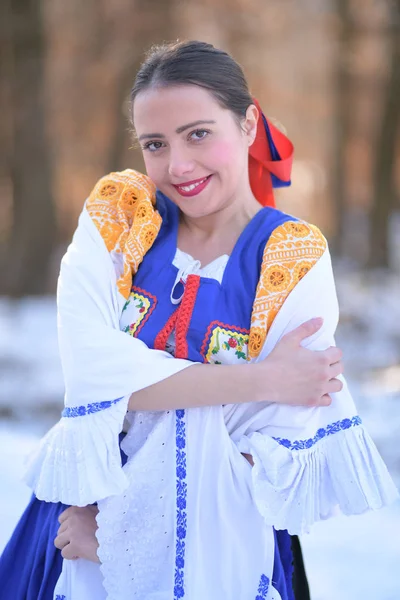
[(199, 134), (152, 146)]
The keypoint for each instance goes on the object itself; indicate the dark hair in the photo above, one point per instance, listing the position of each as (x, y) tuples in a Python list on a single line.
[(195, 63)]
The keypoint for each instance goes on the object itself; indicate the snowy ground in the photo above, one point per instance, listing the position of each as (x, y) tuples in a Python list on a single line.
[(356, 558)]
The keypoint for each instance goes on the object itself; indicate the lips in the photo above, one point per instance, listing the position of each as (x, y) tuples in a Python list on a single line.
[(192, 188)]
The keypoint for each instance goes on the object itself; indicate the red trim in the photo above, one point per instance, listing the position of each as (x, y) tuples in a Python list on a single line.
[(185, 315), (210, 329), (151, 307), (162, 336)]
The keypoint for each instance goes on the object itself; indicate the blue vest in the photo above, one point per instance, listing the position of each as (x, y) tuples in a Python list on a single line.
[(211, 316)]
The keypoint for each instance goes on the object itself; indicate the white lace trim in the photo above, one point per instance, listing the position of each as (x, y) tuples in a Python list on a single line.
[(295, 488), (78, 461)]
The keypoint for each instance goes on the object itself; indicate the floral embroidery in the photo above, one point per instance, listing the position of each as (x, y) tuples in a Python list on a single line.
[(121, 206), (141, 305), (181, 496), (256, 340), (225, 344), (291, 251), (263, 588), (321, 433), (276, 278), (81, 411)]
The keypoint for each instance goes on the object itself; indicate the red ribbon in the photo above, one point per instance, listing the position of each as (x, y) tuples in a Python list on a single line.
[(261, 165)]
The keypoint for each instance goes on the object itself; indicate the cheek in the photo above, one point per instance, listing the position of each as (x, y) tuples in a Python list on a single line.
[(224, 155), (154, 168)]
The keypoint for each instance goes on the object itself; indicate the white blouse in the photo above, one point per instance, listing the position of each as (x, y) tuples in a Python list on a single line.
[(187, 516)]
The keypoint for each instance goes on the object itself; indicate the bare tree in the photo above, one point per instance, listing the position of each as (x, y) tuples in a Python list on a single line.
[(33, 231), (342, 121), (156, 23), (384, 189)]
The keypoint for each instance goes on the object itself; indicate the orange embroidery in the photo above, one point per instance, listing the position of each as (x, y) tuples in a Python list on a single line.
[(256, 340), (291, 251), (121, 206)]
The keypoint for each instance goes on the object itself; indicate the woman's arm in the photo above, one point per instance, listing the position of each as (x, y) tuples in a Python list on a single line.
[(289, 375)]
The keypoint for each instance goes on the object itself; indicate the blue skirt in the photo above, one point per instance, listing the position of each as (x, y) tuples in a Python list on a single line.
[(31, 565)]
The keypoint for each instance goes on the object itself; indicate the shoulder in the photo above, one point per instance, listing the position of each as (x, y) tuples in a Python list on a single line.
[(122, 206), (122, 188), (295, 239), (290, 252), (292, 249)]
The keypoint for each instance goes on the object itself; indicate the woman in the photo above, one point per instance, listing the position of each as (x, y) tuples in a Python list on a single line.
[(217, 454)]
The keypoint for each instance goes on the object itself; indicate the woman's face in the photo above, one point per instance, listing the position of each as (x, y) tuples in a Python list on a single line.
[(194, 150)]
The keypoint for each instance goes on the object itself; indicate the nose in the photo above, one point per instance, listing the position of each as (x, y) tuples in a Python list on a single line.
[(180, 163)]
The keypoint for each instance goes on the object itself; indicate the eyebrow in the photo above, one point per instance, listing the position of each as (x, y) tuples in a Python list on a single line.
[(181, 129)]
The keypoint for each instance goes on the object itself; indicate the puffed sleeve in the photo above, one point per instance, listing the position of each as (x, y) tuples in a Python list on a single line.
[(309, 463), (78, 461)]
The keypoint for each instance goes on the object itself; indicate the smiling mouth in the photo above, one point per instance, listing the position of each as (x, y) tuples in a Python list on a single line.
[(192, 188)]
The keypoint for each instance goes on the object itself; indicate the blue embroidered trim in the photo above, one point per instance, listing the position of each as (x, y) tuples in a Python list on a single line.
[(321, 433), (58, 597), (181, 495), (263, 588), (81, 411)]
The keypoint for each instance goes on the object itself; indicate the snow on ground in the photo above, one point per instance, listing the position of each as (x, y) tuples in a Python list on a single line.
[(347, 558)]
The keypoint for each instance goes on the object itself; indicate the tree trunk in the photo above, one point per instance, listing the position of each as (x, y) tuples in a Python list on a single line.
[(33, 232), (384, 189), (341, 124), (157, 24)]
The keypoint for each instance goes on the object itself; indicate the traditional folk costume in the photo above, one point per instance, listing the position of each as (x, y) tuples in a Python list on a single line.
[(187, 516)]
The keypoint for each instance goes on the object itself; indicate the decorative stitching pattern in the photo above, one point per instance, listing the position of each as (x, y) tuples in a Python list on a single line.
[(144, 304), (185, 312), (181, 497), (58, 597), (263, 588), (81, 411), (236, 339), (291, 251), (321, 433), (121, 206)]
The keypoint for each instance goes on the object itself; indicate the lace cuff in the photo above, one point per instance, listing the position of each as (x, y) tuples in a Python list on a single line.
[(78, 461), (298, 483)]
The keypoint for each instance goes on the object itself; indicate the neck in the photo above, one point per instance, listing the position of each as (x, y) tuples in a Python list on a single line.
[(229, 220)]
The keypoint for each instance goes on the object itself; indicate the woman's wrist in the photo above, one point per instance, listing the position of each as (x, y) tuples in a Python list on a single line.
[(264, 376)]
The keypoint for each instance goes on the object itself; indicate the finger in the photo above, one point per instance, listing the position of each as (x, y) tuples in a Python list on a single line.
[(64, 515), (69, 552), (305, 330), (63, 527), (335, 370), (333, 354), (61, 541), (334, 386), (326, 400)]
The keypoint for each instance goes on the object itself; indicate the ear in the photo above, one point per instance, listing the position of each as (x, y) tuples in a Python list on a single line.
[(250, 123)]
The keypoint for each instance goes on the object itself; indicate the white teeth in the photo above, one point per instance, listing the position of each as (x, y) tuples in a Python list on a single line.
[(189, 188)]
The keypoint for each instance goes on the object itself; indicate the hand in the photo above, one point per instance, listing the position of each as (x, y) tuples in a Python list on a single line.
[(76, 536), (300, 376)]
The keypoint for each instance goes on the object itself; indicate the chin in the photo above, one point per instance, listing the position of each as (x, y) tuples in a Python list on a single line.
[(197, 208)]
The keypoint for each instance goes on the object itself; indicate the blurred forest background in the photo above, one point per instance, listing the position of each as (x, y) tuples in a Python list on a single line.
[(329, 72)]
